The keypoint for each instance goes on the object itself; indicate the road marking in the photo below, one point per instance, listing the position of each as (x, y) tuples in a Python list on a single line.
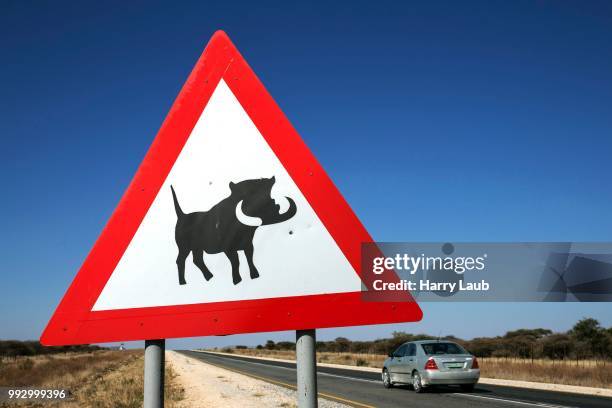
[(291, 386), (318, 372), (350, 378), (533, 404)]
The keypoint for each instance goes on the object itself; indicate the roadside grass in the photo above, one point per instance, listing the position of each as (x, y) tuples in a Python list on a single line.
[(586, 373), (98, 380), (354, 359), (57, 370)]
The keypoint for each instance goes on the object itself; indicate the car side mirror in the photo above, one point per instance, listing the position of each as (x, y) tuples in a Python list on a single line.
[(390, 354)]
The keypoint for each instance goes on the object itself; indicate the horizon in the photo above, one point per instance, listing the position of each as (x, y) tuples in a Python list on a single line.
[(132, 344)]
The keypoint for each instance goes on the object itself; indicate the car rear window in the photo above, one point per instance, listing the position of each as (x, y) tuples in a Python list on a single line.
[(442, 348)]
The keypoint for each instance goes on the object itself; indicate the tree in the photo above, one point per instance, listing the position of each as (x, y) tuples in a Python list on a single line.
[(589, 333), (285, 345), (321, 346), (586, 329), (483, 347), (532, 334), (557, 346), (342, 344)]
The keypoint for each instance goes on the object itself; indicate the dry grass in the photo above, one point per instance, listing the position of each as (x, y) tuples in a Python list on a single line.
[(546, 362), (57, 370), (588, 373), (98, 380), (352, 359)]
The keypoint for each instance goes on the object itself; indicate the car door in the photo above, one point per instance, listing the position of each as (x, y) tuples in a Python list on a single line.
[(410, 360), (396, 368)]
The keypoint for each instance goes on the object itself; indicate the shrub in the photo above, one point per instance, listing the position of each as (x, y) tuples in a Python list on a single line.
[(26, 364)]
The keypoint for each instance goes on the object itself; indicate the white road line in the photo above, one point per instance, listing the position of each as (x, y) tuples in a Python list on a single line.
[(318, 373), (350, 378), (510, 401), (261, 364)]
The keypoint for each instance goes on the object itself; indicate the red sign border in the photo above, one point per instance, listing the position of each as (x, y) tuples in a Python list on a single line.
[(75, 323)]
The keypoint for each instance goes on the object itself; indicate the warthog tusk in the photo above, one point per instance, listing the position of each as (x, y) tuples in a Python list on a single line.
[(247, 219)]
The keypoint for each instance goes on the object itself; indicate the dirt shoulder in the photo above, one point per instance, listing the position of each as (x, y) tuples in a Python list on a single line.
[(205, 385)]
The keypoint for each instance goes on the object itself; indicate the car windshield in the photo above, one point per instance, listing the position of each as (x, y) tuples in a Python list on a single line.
[(442, 348)]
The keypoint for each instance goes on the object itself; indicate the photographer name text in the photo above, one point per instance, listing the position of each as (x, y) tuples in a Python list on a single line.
[(427, 285), (457, 266)]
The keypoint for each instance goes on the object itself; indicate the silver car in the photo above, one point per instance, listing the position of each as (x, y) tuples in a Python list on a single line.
[(430, 362)]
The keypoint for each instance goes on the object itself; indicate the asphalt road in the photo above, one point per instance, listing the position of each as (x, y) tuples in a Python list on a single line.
[(364, 389)]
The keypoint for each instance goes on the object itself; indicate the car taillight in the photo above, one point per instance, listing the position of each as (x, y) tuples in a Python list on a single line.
[(475, 363), (431, 364)]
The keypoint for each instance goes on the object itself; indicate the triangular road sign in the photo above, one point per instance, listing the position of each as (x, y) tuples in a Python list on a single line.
[(229, 226)]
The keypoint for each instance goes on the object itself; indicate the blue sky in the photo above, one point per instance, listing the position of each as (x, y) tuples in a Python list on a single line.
[(438, 121)]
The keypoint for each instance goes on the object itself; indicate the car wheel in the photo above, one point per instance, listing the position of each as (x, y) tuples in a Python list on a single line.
[(467, 387), (417, 385), (386, 379)]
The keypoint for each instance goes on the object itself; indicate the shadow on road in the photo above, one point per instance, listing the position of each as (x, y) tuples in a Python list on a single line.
[(444, 389)]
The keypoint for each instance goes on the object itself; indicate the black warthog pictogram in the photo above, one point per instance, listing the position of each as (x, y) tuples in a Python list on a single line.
[(223, 228)]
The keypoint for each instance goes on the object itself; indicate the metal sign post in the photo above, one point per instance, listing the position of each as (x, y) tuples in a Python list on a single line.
[(154, 373), (306, 368)]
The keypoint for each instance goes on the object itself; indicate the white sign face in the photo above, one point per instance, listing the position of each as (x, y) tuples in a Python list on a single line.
[(292, 257)]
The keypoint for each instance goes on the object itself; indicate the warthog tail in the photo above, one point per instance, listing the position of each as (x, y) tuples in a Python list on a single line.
[(177, 207)]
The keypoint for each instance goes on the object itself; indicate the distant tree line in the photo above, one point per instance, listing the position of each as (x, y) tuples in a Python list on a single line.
[(14, 348), (586, 340)]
